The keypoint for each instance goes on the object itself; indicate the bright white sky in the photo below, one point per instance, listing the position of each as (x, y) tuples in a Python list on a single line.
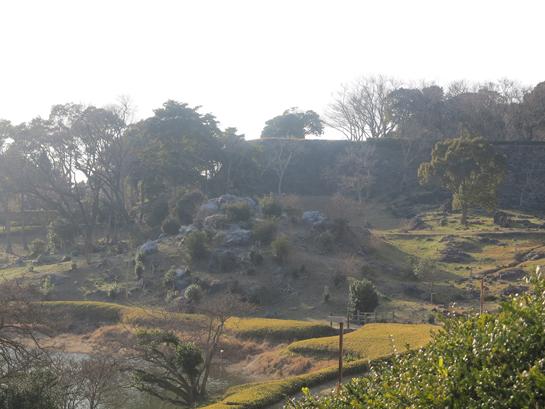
[(248, 61)]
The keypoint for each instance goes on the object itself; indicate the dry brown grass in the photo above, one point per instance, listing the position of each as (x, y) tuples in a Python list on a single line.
[(273, 364), (341, 207)]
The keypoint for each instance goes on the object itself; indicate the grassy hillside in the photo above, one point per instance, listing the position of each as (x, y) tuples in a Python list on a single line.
[(376, 246)]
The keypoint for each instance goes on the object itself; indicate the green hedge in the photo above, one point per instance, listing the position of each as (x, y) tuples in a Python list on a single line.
[(277, 330)]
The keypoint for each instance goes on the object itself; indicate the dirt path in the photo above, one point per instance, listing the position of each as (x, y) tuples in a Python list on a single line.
[(320, 390)]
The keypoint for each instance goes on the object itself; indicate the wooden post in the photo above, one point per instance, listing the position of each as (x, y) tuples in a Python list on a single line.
[(341, 330), (482, 294), (341, 321)]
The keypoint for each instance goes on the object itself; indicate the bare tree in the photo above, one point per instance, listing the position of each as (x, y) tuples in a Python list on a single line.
[(352, 170), (359, 109), (96, 381), (282, 153)]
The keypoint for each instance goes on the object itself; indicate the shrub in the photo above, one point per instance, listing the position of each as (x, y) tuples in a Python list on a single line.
[(280, 249), (271, 206), (139, 269), (47, 289), (362, 296), (140, 256), (431, 317), (197, 244), (185, 204), (338, 277), (113, 291), (168, 278), (37, 247), (170, 226), (61, 233), (118, 247), (255, 256), (219, 222), (265, 230), (238, 212), (194, 293), (490, 297), (203, 282), (325, 294), (258, 295), (325, 240)]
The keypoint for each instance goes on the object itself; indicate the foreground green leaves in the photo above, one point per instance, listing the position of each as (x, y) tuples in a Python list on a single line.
[(488, 361)]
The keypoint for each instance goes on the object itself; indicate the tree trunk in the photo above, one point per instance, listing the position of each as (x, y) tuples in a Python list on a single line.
[(23, 234), (464, 215), (9, 249)]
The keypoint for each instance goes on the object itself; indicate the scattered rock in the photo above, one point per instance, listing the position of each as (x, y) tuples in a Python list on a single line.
[(237, 237), (313, 219), (514, 289), (185, 230), (511, 274), (449, 255), (209, 209), (149, 247)]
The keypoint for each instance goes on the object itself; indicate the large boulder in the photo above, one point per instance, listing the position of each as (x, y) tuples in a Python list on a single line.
[(149, 247), (237, 237), (313, 219), (185, 230), (208, 209)]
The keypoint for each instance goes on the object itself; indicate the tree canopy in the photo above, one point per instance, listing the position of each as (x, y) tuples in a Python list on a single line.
[(293, 123), (470, 168)]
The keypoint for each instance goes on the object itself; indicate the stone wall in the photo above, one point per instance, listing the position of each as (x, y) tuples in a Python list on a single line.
[(306, 174)]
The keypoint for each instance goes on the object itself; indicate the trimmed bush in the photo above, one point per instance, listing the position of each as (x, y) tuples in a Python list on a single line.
[(362, 296), (280, 249), (194, 293), (197, 244), (168, 278), (265, 230)]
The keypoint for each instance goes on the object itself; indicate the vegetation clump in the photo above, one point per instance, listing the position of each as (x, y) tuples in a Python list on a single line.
[(280, 249), (362, 297), (238, 212), (265, 231), (197, 244), (271, 206)]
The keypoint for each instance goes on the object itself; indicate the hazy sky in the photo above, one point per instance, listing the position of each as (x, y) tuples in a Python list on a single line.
[(248, 61)]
